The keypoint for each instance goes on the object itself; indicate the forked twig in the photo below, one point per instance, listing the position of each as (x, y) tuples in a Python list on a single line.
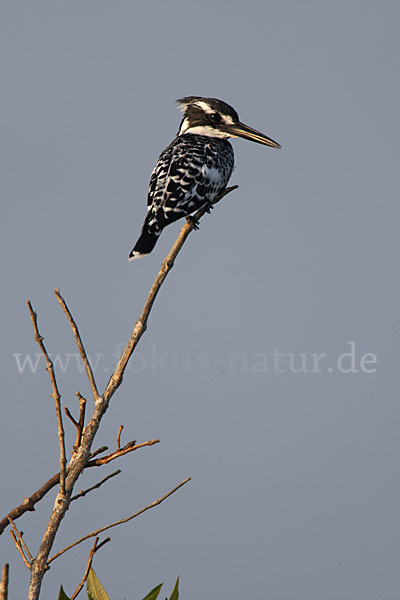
[(95, 548), (82, 410), (101, 529), (22, 541), (78, 424), (129, 447), (19, 548), (20, 544)]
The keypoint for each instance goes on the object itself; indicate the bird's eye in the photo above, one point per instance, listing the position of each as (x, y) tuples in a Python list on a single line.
[(215, 118)]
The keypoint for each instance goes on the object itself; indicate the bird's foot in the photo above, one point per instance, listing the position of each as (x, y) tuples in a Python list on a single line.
[(193, 222), (209, 208)]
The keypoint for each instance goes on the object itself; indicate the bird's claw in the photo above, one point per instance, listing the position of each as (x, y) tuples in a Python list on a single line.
[(193, 222)]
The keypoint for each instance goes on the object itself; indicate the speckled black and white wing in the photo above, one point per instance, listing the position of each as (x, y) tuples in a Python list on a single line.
[(191, 172)]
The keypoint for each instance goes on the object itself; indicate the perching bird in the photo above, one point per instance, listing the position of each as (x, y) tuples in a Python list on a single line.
[(195, 168)]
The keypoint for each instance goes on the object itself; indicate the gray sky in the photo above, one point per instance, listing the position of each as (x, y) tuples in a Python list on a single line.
[(295, 489)]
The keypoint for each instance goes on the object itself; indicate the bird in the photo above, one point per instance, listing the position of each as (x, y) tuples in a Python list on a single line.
[(195, 168)]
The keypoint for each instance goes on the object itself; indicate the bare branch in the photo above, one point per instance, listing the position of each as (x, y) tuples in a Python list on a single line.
[(79, 343), (29, 503), (141, 325), (101, 529), (80, 458), (55, 395), (96, 486), (129, 447), (4, 582)]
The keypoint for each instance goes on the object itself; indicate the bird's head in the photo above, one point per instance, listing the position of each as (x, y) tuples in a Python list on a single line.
[(215, 118)]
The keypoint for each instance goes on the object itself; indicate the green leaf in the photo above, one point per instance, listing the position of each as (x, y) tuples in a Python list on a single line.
[(154, 593), (175, 591), (95, 590), (62, 595)]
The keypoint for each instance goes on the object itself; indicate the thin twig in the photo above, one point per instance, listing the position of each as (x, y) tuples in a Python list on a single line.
[(129, 447), (70, 417), (141, 324), (4, 582), (119, 437), (82, 409), (19, 548), (89, 564), (96, 486), (95, 548), (101, 529), (78, 340), (98, 451), (19, 535), (56, 397)]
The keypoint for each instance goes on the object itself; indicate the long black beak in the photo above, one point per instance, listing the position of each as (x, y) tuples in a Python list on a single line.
[(246, 132)]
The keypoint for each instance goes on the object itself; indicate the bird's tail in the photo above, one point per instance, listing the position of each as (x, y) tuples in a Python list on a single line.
[(145, 244)]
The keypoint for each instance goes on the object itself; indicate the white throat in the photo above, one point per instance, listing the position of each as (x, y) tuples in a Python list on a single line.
[(202, 130)]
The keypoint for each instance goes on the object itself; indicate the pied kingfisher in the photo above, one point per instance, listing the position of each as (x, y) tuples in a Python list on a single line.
[(195, 168)]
